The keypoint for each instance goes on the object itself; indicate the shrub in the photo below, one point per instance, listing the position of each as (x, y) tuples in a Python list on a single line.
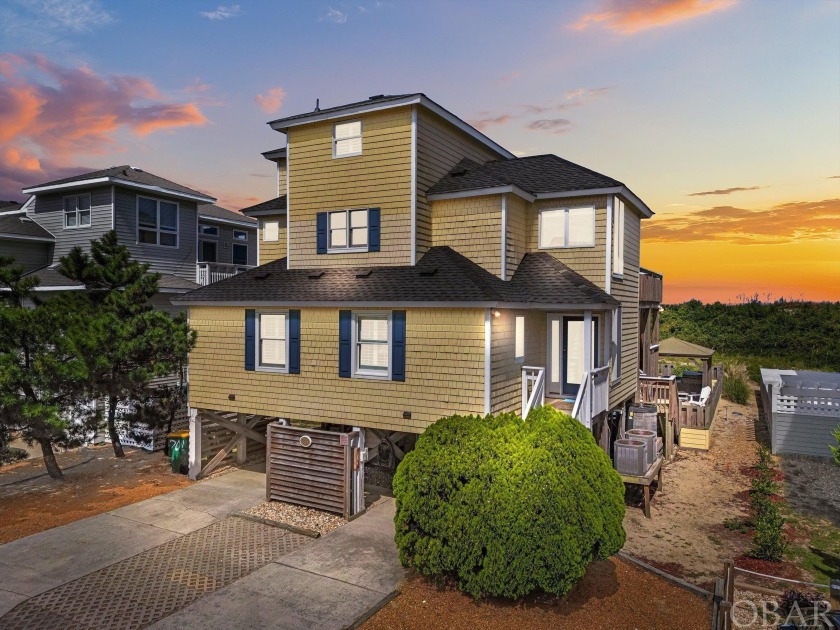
[(792, 598), (508, 507), (10, 455), (768, 540), (836, 449), (736, 389)]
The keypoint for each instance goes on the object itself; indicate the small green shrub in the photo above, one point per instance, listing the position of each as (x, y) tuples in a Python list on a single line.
[(736, 389), (10, 455), (508, 507), (765, 457), (836, 449), (768, 540)]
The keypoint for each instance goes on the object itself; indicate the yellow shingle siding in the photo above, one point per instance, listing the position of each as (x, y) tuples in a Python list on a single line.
[(506, 373), (520, 214), (379, 177), (471, 226), (440, 146), (272, 250), (444, 371)]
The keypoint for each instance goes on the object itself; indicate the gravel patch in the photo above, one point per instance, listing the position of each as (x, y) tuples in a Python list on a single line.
[(297, 516), (812, 486), (748, 607)]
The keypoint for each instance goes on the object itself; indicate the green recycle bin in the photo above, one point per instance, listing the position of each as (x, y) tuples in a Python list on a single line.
[(179, 451)]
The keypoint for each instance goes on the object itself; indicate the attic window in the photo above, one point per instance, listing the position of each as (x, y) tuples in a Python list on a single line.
[(347, 139)]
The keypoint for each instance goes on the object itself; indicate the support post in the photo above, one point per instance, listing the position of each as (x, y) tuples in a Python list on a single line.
[(241, 448), (195, 444), (587, 341)]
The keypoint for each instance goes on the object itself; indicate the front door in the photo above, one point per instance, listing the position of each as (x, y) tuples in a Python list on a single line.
[(566, 353)]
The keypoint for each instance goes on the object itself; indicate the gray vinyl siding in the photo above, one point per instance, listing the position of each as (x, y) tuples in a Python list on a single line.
[(48, 210), (224, 242), (800, 434), (180, 260), (28, 254)]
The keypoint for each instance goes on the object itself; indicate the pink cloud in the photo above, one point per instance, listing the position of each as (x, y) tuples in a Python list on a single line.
[(53, 114), (271, 100), (631, 16), (484, 123)]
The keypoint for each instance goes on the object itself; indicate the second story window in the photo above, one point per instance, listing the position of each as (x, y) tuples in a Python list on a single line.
[(157, 222), (567, 227), (208, 230), (77, 211), (240, 235), (348, 229), (347, 139), (372, 346), (271, 230)]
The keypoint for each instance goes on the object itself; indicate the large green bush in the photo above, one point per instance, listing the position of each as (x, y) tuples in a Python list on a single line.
[(508, 506)]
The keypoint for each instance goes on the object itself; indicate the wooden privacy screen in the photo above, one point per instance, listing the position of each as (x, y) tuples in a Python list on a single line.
[(309, 467)]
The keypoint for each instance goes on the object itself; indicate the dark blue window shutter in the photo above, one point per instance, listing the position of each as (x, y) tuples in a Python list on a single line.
[(398, 346), (322, 232), (294, 342), (373, 229), (345, 342), (250, 338)]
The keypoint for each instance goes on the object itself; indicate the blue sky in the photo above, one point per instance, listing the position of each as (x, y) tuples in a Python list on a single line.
[(673, 97)]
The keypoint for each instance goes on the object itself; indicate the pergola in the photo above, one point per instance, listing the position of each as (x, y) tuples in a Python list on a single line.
[(674, 347)]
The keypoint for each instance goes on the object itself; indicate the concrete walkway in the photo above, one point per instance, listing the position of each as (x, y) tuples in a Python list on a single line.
[(35, 564), (325, 585)]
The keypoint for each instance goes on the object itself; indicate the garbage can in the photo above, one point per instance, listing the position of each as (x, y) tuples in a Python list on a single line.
[(179, 451)]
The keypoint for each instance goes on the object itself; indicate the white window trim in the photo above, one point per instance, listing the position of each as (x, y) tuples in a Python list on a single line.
[(270, 240), (565, 210), (206, 234), (238, 244), (335, 141), (519, 358), (258, 366), (157, 230), (618, 238), (616, 324), (64, 213), (348, 249), (354, 351), (240, 240), (201, 242)]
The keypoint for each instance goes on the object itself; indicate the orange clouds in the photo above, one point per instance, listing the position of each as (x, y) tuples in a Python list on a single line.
[(53, 113), (788, 222), (631, 16), (271, 100)]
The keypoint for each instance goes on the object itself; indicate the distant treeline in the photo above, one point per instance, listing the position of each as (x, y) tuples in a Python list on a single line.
[(801, 335)]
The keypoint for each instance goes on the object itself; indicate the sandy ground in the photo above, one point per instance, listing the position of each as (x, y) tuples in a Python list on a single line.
[(102, 484), (614, 594), (685, 535)]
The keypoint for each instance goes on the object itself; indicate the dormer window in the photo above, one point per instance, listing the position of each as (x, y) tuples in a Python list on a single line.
[(347, 139), (77, 211)]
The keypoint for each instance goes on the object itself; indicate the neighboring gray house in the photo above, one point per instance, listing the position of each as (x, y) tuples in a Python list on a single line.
[(157, 219), (802, 408), (22, 238)]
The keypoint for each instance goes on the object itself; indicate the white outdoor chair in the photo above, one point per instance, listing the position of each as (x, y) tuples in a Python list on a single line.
[(704, 397)]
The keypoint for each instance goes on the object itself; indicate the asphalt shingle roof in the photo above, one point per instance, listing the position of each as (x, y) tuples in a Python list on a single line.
[(128, 173), (675, 347), (19, 224), (278, 204), (212, 211), (338, 108), (535, 174), (442, 275)]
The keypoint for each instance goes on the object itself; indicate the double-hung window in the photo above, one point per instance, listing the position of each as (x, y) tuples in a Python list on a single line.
[(273, 341), (157, 222), (348, 229), (347, 139), (618, 237), (372, 345), (77, 211), (567, 227)]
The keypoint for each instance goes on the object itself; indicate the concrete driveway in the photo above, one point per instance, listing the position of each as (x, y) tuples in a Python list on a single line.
[(86, 574), (35, 564)]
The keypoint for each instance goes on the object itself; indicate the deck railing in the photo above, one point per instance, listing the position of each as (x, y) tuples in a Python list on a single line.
[(660, 391), (593, 397), (207, 273), (650, 288), (694, 416), (533, 388)]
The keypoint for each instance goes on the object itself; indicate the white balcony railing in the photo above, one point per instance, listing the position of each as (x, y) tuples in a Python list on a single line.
[(593, 396), (207, 273), (533, 389)]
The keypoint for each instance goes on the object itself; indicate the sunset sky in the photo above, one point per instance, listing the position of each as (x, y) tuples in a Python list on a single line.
[(723, 115)]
